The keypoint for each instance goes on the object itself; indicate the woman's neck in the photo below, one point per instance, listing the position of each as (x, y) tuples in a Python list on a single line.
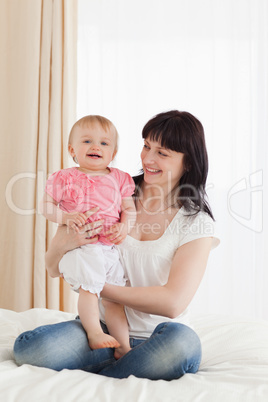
[(156, 199)]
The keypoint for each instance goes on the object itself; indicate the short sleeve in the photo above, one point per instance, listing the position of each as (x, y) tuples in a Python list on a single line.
[(55, 186), (196, 227), (126, 184)]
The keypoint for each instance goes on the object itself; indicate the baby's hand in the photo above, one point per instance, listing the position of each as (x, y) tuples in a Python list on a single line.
[(117, 233), (74, 220)]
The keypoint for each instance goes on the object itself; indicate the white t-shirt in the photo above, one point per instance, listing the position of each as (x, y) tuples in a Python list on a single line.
[(147, 263)]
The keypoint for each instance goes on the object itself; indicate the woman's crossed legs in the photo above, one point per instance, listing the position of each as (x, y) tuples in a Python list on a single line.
[(172, 350)]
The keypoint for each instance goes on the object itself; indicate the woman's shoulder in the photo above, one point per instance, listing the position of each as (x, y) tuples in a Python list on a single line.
[(192, 216), (192, 225)]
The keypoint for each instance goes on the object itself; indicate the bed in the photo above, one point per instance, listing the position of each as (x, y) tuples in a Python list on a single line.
[(234, 367)]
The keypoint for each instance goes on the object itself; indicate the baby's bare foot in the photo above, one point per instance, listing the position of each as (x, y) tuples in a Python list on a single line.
[(101, 340), (121, 351)]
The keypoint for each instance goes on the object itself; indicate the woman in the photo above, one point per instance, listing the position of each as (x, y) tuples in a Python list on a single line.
[(164, 257)]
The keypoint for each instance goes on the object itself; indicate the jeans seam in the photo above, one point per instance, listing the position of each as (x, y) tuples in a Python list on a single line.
[(99, 366)]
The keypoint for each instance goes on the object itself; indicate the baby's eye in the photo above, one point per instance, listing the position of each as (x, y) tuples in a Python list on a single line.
[(146, 146), (104, 143), (87, 141)]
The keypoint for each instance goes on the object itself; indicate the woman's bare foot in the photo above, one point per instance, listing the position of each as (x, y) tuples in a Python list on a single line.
[(101, 340), (121, 351)]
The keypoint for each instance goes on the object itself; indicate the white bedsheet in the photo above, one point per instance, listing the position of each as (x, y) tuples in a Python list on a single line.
[(234, 367)]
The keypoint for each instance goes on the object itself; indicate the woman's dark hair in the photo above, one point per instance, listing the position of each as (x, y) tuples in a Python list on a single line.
[(182, 132)]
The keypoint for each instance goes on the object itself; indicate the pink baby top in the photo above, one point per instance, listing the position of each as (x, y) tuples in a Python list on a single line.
[(74, 190)]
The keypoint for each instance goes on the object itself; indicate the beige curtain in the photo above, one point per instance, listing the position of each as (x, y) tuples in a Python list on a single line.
[(37, 108)]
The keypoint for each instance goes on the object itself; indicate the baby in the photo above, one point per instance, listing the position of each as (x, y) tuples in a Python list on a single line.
[(68, 195)]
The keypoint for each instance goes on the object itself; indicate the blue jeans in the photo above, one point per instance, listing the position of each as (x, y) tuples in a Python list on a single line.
[(172, 350)]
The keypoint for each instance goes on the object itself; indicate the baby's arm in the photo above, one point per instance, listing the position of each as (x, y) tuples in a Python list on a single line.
[(51, 211), (118, 232)]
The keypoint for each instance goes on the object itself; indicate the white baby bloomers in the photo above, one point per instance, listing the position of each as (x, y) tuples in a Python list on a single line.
[(91, 266)]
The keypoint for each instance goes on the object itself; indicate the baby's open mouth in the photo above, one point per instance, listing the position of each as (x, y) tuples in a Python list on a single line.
[(94, 156)]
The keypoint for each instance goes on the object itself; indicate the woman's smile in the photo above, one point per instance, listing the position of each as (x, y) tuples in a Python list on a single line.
[(152, 171)]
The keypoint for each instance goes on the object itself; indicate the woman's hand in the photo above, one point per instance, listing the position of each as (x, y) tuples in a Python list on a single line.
[(67, 239)]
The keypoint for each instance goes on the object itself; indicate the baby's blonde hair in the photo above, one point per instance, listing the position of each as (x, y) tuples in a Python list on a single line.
[(105, 123)]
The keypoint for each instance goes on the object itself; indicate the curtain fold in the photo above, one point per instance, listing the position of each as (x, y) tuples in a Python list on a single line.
[(37, 109)]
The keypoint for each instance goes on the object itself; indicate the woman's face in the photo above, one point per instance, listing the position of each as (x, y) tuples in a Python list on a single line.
[(161, 166)]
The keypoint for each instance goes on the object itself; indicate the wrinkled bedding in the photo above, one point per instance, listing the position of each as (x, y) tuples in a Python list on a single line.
[(234, 367)]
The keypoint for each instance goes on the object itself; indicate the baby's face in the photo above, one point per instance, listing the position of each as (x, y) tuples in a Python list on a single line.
[(93, 147)]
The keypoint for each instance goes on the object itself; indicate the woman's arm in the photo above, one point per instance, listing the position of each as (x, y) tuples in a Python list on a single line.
[(67, 239), (187, 270)]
